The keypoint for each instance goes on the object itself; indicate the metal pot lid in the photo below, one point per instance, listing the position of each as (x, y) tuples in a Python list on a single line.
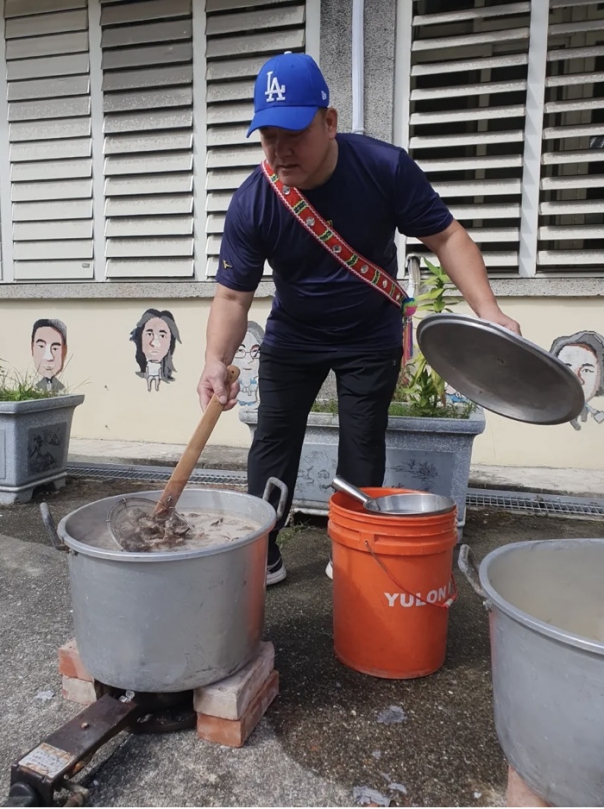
[(499, 370)]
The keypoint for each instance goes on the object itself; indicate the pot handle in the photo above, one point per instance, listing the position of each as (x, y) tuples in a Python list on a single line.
[(275, 483), (467, 565), (56, 540)]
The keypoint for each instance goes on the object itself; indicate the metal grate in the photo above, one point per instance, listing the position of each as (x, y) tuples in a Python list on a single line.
[(552, 505), (153, 473)]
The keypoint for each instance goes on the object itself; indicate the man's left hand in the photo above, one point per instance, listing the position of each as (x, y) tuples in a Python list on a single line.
[(500, 319)]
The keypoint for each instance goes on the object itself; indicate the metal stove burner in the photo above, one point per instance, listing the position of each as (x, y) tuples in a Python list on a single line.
[(163, 713), (37, 777)]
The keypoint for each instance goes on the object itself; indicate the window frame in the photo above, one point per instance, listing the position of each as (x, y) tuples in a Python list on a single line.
[(311, 28), (534, 148)]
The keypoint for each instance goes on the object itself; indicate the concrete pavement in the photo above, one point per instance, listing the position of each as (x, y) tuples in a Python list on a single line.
[(321, 743), (575, 482)]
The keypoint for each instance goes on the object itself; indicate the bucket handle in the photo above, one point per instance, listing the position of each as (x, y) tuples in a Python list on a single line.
[(445, 604), (467, 564), (275, 483)]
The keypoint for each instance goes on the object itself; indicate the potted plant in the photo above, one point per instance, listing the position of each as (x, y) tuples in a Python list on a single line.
[(35, 427), (431, 430)]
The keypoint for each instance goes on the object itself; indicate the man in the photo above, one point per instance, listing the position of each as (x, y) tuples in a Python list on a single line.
[(323, 317), (49, 349)]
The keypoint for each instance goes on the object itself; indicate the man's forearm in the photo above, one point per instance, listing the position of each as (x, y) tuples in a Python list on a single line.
[(226, 328), (460, 258)]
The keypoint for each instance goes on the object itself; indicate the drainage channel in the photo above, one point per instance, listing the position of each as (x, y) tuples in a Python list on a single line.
[(552, 505), (154, 473)]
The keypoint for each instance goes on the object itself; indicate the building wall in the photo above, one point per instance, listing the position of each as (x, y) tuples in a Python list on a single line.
[(379, 50), (101, 364)]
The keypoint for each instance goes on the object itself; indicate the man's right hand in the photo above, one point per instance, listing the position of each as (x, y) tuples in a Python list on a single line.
[(213, 381)]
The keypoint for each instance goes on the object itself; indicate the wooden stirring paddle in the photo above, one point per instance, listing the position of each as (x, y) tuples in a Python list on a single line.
[(184, 468)]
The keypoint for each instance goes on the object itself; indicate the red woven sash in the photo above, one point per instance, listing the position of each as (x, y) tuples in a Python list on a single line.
[(314, 223)]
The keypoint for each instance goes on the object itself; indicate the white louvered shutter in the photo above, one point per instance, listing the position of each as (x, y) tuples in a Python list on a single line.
[(239, 41), (467, 108), (46, 47), (571, 222), (148, 108)]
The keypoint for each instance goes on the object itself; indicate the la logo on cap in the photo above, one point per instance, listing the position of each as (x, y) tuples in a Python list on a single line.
[(274, 91)]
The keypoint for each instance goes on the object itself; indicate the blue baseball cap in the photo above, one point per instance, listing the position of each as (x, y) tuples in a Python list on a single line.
[(289, 90)]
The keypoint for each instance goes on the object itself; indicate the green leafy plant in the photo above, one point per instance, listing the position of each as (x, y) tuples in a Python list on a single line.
[(17, 387), (420, 391), (325, 406)]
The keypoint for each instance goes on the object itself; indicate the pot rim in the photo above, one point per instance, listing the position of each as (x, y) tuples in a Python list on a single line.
[(524, 618), (165, 556)]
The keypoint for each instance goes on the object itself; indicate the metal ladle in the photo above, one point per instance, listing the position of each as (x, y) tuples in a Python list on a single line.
[(411, 504)]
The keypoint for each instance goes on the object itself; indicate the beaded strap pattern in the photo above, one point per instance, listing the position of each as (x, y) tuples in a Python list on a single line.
[(314, 223)]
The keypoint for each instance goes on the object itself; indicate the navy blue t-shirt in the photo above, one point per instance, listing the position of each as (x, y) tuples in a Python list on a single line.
[(375, 189)]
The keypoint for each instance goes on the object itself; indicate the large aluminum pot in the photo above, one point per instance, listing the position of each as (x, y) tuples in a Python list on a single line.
[(546, 603), (171, 620)]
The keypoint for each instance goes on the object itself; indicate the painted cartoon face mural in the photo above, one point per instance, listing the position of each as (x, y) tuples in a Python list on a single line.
[(583, 353), (584, 364), (247, 360), (49, 349), (155, 337), (454, 396)]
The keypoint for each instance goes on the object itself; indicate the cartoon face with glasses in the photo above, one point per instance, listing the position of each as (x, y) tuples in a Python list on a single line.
[(247, 360), (583, 353)]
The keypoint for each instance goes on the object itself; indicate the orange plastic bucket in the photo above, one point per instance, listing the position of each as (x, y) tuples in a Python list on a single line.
[(392, 587)]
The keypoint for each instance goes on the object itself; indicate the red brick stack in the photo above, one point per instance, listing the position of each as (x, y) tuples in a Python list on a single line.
[(520, 794), (78, 685), (227, 711)]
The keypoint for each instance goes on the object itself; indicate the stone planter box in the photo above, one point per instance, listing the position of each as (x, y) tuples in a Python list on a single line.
[(34, 440), (421, 453)]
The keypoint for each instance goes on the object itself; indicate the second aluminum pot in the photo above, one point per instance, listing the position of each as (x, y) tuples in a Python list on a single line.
[(547, 656), (172, 620)]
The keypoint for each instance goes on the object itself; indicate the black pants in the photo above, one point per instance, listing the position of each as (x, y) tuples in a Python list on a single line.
[(289, 383)]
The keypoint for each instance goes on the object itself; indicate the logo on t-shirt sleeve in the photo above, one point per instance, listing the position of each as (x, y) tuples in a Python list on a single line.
[(226, 265)]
